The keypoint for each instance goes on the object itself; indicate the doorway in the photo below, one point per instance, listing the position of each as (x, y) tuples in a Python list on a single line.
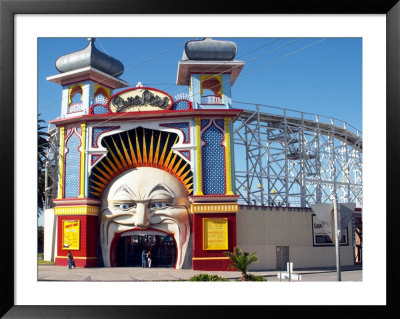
[(282, 257), (130, 247)]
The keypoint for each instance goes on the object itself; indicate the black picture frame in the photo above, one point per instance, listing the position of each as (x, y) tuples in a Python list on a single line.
[(8, 10)]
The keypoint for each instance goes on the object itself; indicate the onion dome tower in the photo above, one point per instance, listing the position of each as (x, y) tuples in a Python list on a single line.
[(88, 78), (209, 68)]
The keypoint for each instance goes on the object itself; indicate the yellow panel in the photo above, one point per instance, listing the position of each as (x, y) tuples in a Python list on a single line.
[(71, 234), (77, 210), (215, 233), (215, 208)]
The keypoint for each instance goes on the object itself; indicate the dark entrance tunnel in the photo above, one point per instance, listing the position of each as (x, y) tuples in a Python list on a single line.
[(130, 247)]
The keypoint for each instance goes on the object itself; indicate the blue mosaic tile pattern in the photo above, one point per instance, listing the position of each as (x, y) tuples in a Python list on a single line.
[(99, 109), (72, 167), (186, 154), (184, 127), (95, 158), (213, 161), (220, 123), (96, 131), (204, 123), (180, 105)]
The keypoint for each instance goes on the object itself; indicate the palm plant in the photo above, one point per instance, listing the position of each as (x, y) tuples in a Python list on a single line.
[(43, 144), (240, 260)]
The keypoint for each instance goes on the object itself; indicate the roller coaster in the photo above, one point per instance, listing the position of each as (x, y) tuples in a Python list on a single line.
[(290, 158), (283, 157)]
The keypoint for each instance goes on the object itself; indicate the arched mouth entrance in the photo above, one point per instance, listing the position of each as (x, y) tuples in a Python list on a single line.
[(131, 244)]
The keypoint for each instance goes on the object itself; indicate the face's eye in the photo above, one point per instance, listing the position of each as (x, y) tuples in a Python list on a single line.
[(125, 206), (158, 205)]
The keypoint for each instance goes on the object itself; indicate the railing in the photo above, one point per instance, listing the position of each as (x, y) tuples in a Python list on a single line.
[(211, 99), (305, 116), (100, 99), (76, 107)]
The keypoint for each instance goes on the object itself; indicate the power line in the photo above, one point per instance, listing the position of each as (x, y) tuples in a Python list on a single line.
[(284, 56), (273, 61), (255, 58)]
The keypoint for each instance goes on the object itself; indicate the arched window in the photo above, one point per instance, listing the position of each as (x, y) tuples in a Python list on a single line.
[(75, 98), (101, 96), (211, 89)]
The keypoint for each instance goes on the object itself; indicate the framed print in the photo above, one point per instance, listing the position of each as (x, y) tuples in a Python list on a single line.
[(23, 23)]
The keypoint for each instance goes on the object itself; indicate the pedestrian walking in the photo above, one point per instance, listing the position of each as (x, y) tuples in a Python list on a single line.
[(144, 258), (71, 262)]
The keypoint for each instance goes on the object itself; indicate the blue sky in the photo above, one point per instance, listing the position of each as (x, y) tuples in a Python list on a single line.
[(315, 75)]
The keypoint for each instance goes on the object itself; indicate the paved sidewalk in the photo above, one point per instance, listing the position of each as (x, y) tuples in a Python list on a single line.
[(62, 273)]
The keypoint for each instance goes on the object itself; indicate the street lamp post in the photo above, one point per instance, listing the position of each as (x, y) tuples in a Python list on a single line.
[(336, 237)]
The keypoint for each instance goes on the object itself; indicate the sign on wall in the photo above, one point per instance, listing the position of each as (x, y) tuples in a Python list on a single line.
[(139, 100), (322, 238), (215, 233), (71, 234)]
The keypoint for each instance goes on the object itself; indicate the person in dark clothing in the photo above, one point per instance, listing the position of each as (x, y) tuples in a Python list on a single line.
[(144, 258), (71, 262)]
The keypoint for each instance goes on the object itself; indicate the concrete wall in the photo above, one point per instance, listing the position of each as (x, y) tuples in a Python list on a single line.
[(49, 244), (263, 229)]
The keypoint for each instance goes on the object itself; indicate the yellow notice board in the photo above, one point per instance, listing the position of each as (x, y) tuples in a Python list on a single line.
[(215, 233), (71, 234)]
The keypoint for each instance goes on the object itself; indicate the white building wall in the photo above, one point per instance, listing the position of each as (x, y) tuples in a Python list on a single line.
[(49, 243), (262, 230)]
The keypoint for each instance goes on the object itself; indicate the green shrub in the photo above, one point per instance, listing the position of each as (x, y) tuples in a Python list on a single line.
[(207, 277), (240, 260), (256, 278)]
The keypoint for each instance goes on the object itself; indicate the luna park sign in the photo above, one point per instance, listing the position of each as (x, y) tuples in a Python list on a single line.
[(140, 99)]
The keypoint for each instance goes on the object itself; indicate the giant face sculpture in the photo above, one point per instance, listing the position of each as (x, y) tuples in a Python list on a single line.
[(143, 199)]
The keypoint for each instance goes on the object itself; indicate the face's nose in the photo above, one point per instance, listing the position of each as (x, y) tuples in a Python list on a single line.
[(142, 215)]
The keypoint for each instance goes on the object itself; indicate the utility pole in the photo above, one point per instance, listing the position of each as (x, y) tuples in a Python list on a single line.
[(336, 236)]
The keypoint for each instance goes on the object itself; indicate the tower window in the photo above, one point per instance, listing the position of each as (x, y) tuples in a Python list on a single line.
[(75, 99), (211, 89), (101, 96)]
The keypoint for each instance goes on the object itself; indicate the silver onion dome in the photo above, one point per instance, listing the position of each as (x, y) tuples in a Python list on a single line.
[(92, 57), (209, 49)]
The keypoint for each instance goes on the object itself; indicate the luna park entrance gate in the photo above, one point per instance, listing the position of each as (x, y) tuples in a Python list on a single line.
[(129, 250)]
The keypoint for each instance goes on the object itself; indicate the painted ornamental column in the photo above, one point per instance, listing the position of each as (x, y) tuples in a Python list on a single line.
[(61, 164)]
